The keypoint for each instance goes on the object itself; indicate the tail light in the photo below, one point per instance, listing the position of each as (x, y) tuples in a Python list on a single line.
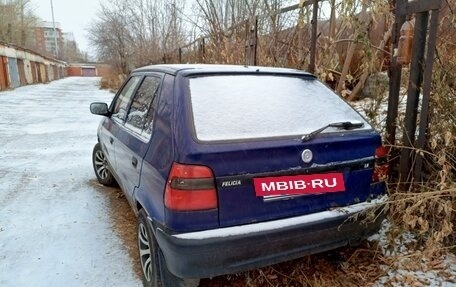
[(190, 187), (381, 168)]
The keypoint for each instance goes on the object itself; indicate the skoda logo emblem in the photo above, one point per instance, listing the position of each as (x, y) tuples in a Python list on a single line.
[(307, 156)]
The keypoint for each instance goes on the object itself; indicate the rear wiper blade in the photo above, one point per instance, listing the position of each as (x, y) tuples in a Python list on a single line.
[(339, 125)]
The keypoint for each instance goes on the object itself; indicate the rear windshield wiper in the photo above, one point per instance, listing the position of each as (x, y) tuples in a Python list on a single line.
[(339, 125)]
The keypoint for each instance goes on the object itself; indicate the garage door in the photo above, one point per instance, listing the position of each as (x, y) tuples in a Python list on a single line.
[(89, 72)]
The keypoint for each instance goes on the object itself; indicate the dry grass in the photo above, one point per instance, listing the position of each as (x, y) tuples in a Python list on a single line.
[(112, 82), (430, 214), (342, 267)]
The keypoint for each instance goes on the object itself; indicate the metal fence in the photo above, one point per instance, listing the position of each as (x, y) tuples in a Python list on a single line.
[(286, 37)]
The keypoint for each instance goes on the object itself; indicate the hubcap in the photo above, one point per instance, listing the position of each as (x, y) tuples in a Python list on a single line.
[(144, 252), (101, 165)]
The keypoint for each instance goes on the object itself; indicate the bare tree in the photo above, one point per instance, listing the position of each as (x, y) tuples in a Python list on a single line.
[(224, 23), (110, 36), (16, 22), (133, 33), (71, 53), (218, 16)]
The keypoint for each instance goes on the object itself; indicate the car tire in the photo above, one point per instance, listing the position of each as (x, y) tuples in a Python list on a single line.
[(155, 273), (100, 166)]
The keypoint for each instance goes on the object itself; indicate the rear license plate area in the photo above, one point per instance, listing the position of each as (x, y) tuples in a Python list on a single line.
[(309, 184)]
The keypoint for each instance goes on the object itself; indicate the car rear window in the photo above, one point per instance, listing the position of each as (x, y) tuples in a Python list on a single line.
[(235, 107)]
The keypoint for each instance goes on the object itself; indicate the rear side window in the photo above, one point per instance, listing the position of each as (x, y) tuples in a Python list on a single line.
[(147, 131), (121, 104), (233, 107), (140, 109)]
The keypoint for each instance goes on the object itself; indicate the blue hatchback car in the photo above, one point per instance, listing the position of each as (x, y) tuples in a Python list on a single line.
[(230, 168)]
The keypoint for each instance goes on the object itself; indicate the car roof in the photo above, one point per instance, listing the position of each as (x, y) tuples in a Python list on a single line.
[(188, 69)]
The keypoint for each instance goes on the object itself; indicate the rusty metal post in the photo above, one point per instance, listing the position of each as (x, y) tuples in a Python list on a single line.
[(395, 76), (424, 115), (313, 45), (414, 88), (247, 43), (251, 46), (255, 41), (202, 50)]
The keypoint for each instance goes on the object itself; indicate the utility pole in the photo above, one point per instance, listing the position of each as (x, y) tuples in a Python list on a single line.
[(22, 24), (55, 32)]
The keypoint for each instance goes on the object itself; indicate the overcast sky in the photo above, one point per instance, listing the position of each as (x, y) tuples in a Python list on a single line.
[(74, 16)]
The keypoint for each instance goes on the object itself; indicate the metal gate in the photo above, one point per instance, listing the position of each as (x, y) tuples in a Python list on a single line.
[(21, 70), (420, 80), (34, 72), (3, 74), (13, 72)]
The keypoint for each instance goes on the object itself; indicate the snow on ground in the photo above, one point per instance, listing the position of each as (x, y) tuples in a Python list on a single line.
[(55, 227), (410, 267)]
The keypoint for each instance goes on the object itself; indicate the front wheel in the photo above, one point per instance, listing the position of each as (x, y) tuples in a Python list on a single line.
[(100, 166), (153, 265)]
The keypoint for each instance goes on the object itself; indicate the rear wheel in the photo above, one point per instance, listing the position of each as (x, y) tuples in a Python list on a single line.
[(100, 166), (154, 270)]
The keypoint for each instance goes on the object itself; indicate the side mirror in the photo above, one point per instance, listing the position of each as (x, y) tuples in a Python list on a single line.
[(100, 109)]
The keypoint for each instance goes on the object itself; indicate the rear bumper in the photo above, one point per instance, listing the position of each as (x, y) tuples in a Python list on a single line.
[(228, 250)]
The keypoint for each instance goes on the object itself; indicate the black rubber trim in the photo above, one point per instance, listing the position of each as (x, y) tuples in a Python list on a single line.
[(247, 179)]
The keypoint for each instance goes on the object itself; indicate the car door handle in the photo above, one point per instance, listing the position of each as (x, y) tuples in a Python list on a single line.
[(111, 140), (134, 161)]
